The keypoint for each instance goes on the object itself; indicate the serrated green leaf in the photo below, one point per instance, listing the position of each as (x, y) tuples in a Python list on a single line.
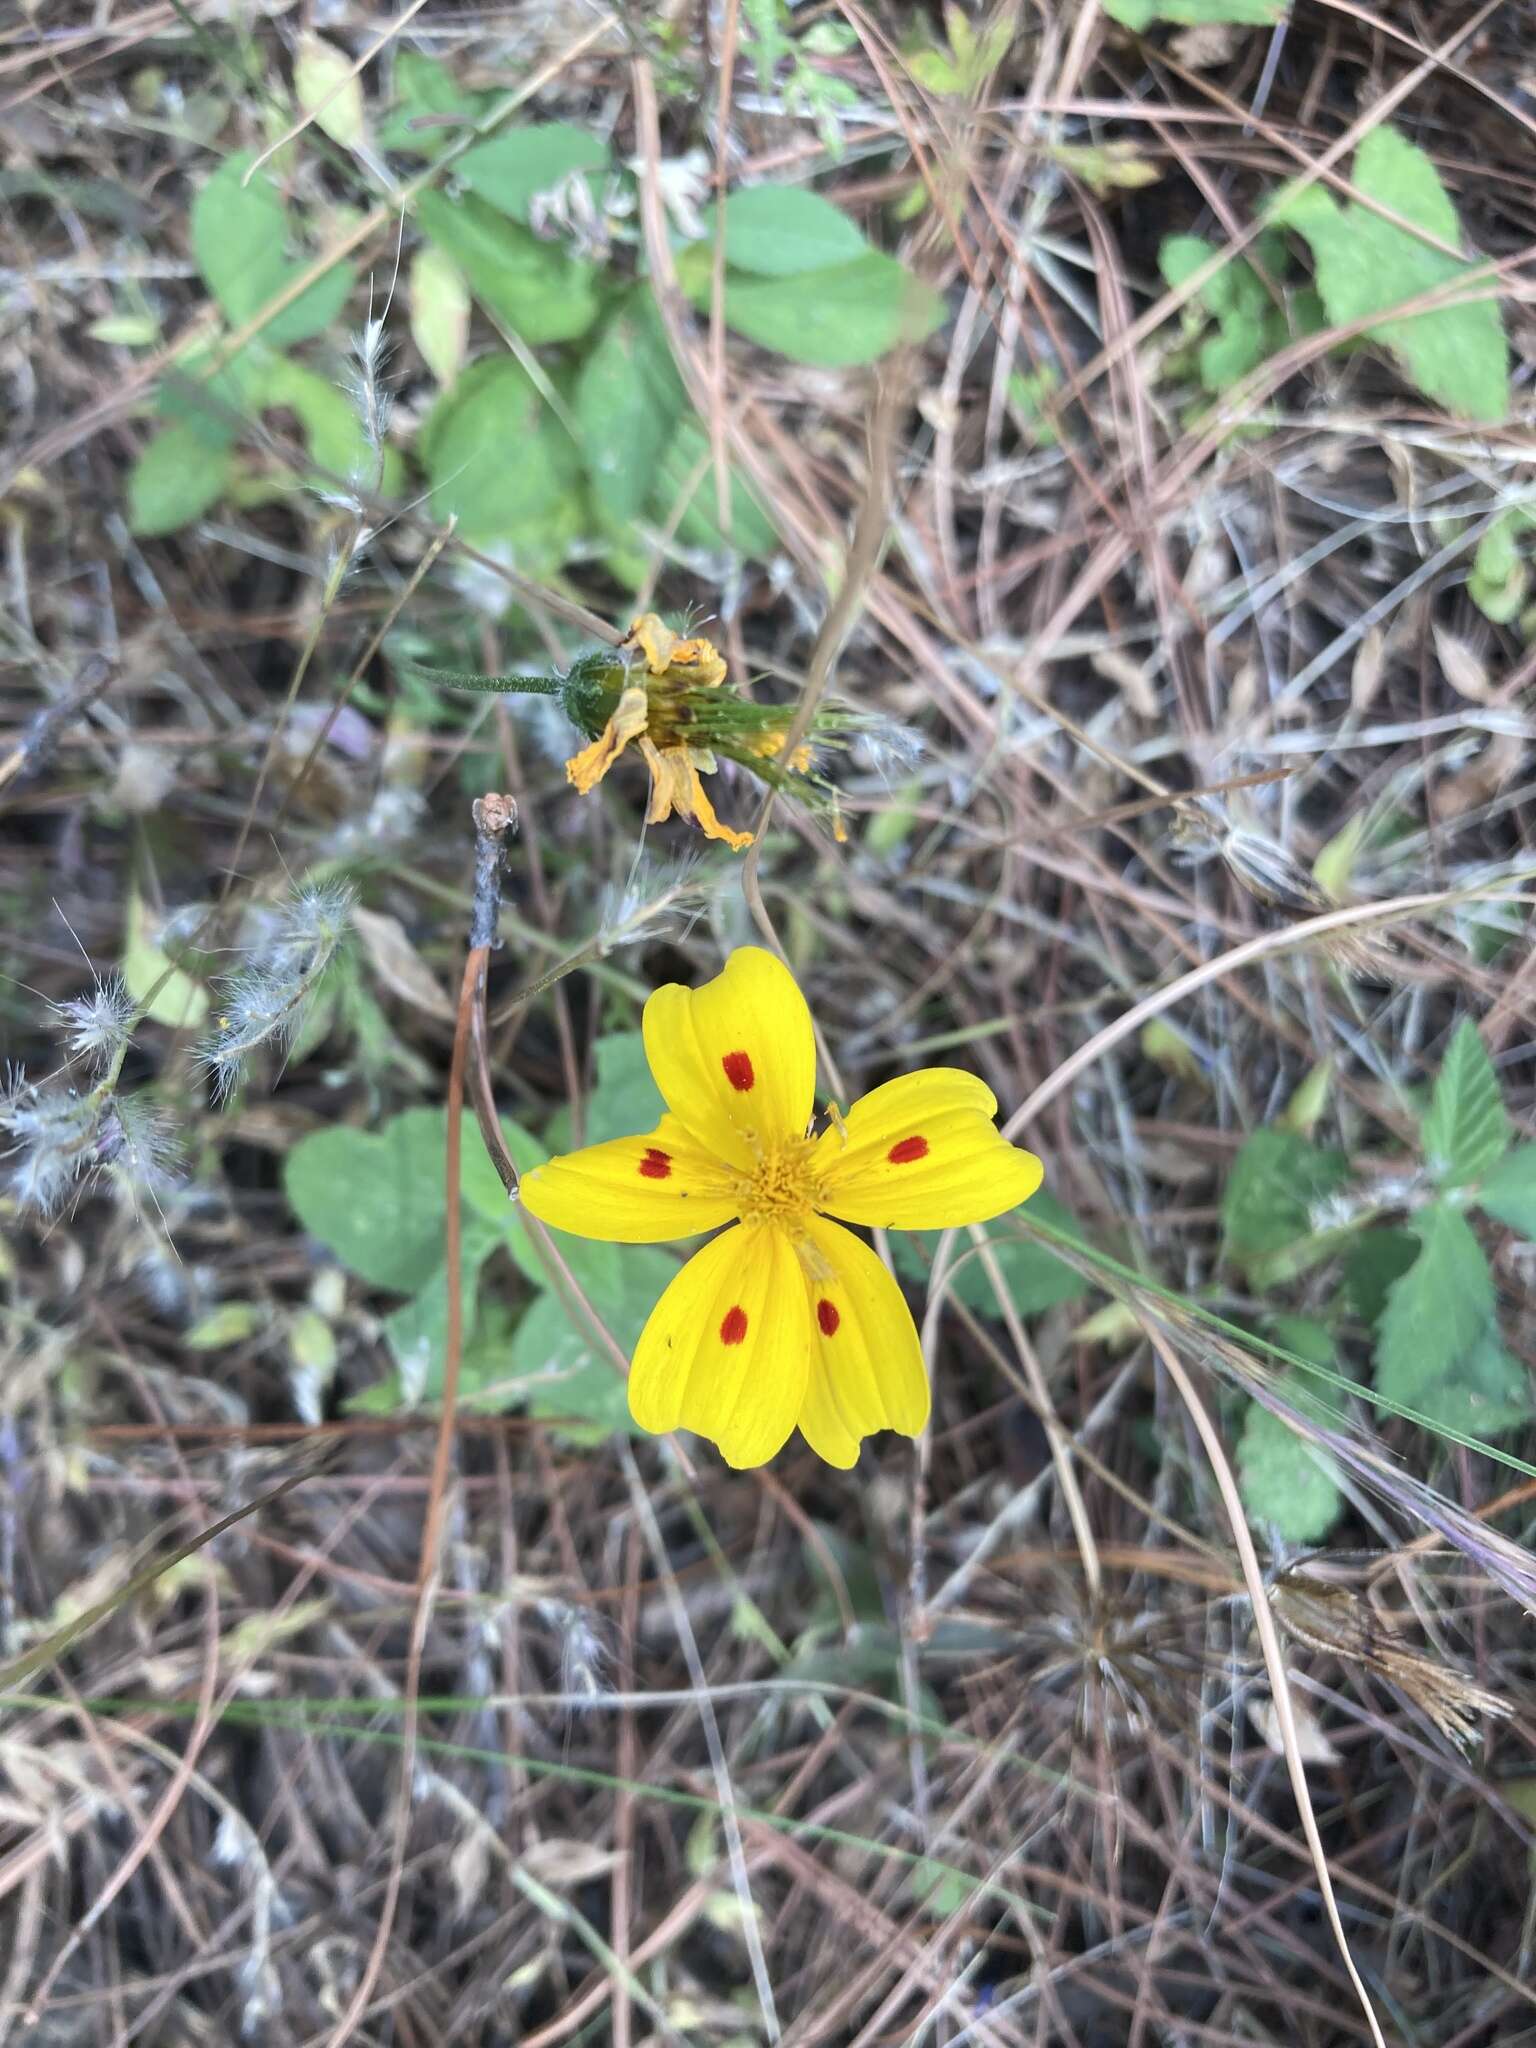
[(1487, 1393), (1285, 1482), (240, 236), (1466, 1128), (831, 318), (628, 400), (784, 231), (496, 460), (1140, 14), (1437, 1311), (1277, 1179), (1366, 265), (175, 479), (1508, 1190), (510, 170), (534, 287), (1036, 1279)]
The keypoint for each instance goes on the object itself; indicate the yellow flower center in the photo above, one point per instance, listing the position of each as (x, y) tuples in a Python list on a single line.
[(781, 1188)]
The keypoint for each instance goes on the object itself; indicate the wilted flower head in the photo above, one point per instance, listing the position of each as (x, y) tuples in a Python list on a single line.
[(672, 698)]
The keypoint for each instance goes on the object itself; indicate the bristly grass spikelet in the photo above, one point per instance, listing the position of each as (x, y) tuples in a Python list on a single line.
[(265, 1002), (97, 1027)]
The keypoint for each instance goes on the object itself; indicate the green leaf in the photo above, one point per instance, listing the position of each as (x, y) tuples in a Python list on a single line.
[(424, 88), (1277, 1179), (440, 309), (510, 170), (1508, 1190), (376, 1198), (830, 318), (1500, 577), (1466, 1129), (218, 405), (1376, 1259), (1437, 1311), (240, 236), (179, 1001), (1036, 1279), (326, 85), (176, 478), (418, 1330), (1285, 1482), (534, 287), (1140, 14), (1487, 1393), (628, 400), (495, 459), (1365, 266), (785, 231), (556, 1370), (1249, 324), (684, 457)]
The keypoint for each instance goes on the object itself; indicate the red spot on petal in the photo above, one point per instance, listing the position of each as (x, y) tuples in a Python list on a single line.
[(828, 1317), (656, 1164), (738, 1071), (733, 1325), (906, 1150)]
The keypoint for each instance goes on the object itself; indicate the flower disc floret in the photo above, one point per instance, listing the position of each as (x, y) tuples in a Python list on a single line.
[(786, 1319)]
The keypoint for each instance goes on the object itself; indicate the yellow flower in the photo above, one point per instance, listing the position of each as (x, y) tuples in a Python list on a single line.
[(655, 717), (788, 1318)]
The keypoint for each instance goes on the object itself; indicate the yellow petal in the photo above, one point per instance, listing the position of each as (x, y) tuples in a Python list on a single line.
[(588, 768), (726, 1352), (663, 651), (866, 1361), (922, 1153), (675, 786), (640, 1190), (735, 1059)]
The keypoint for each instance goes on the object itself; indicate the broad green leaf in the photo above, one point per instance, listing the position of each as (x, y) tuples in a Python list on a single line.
[(784, 231), (178, 1001), (495, 458), (831, 318), (1466, 1129), (628, 400), (510, 170), (1508, 1190), (1365, 266), (539, 291), (1437, 1311), (177, 477), (1140, 14), (1272, 1192), (240, 236), (557, 1371), (418, 1329), (1036, 1279), (325, 85), (1487, 1393), (684, 457), (376, 1198), (440, 307), (430, 108)]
